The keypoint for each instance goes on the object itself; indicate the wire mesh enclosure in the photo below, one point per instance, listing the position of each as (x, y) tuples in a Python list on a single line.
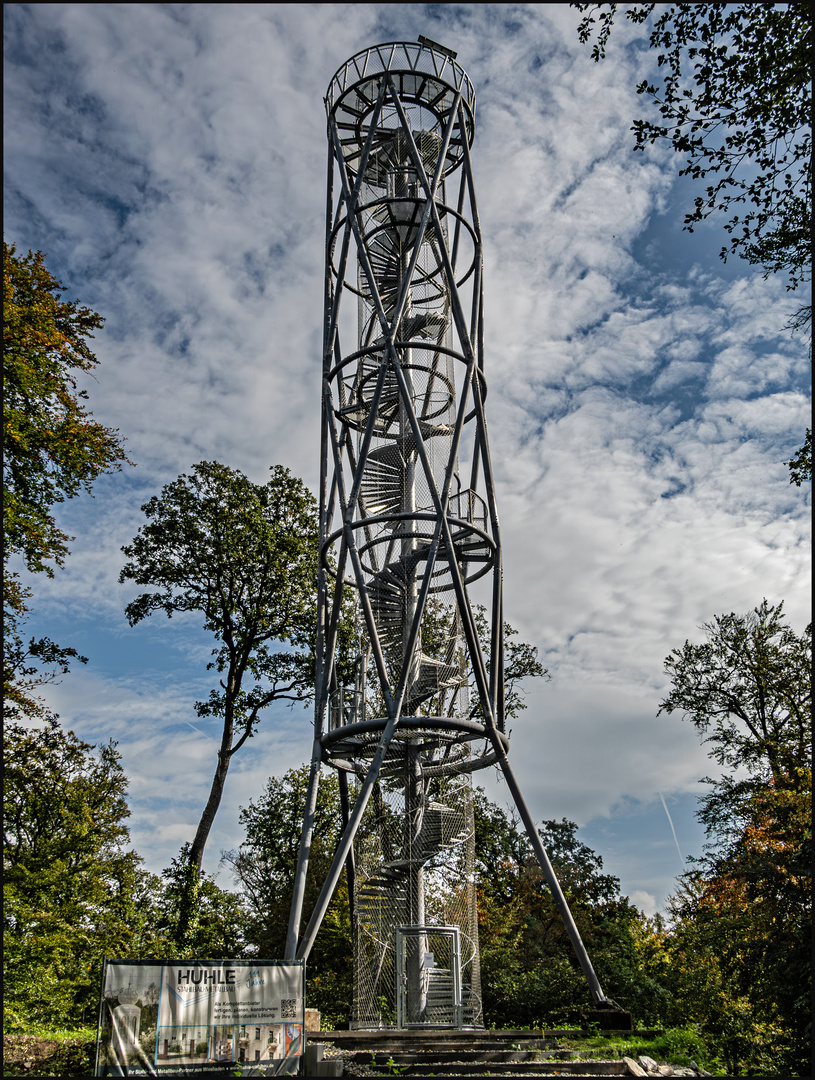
[(409, 673), (414, 855)]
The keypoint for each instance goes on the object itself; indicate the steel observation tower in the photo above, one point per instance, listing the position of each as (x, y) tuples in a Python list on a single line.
[(409, 692)]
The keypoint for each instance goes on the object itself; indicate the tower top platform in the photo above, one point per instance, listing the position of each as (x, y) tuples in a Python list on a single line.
[(428, 62), (426, 80)]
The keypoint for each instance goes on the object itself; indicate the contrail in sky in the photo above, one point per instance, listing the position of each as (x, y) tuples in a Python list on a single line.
[(200, 732), (673, 830)]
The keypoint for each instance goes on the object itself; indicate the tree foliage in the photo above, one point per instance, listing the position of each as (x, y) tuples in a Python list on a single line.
[(735, 957), (264, 867), (800, 464), (750, 906), (28, 666), (747, 690), (52, 450), (739, 948), (529, 974), (735, 102), (73, 889), (218, 927), (243, 556), (520, 663)]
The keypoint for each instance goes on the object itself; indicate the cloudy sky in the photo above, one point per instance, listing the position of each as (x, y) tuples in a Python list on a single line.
[(170, 160)]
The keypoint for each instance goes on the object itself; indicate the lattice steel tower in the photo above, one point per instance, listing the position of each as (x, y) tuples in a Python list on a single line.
[(410, 673)]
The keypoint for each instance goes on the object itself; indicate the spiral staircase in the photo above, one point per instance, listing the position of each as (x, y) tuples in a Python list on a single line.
[(383, 907)]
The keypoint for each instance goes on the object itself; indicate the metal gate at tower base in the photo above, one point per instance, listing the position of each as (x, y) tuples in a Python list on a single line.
[(428, 977)]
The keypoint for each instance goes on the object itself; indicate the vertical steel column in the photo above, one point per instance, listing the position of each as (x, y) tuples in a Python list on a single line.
[(321, 675)]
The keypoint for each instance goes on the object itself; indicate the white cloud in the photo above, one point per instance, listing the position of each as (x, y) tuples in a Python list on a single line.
[(645, 901)]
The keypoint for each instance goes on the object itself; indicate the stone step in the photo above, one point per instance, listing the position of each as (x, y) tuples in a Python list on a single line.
[(524, 1037), (430, 1045), (423, 1057), (422, 1039), (513, 1068)]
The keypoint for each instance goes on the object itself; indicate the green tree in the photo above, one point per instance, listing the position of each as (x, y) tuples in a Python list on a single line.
[(529, 974), (520, 663), (244, 556), (747, 690), (800, 464), (734, 99), (742, 919), (73, 890), (742, 929), (219, 928), (734, 958), (264, 867), (52, 450)]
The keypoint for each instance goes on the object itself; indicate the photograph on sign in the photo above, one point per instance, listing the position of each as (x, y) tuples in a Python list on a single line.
[(196, 1016)]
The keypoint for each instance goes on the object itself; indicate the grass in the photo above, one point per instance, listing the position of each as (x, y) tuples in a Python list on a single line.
[(60, 1034), (679, 1046)]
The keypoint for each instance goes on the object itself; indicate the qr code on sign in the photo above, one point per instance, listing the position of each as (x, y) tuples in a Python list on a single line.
[(288, 1008)]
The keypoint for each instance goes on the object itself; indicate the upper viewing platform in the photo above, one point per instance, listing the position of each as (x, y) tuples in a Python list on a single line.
[(426, 79)]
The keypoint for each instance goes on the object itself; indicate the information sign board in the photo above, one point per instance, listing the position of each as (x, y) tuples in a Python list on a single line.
[(201, 1016)]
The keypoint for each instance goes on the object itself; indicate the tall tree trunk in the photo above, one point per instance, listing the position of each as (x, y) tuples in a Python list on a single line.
[(211, 809), (187, 925)]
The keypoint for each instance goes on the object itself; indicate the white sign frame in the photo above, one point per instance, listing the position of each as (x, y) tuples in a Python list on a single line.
[(179, 1017)]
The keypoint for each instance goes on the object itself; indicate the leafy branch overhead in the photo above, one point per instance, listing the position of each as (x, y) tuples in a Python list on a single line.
[(734, 99), (53, 450), (52, 447)]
